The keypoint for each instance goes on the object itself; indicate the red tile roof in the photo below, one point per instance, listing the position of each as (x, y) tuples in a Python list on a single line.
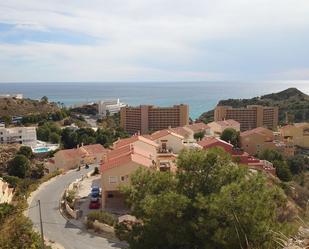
[(162, 133), (130, 140), (83, 151), (126, 154), (208, 142), (259, 130), (227, 123), (197, 127)]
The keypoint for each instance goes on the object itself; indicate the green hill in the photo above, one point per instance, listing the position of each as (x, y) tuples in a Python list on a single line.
[(292, 103)]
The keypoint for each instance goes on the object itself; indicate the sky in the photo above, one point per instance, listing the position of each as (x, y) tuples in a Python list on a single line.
[(153, 40)]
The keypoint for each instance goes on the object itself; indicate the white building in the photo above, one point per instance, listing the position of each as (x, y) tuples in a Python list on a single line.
[(21, 135), (112, 106)]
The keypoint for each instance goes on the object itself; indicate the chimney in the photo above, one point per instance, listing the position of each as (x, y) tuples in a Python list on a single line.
[(82, 144), (138, 133)]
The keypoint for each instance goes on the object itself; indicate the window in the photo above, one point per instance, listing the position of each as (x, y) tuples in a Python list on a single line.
[(113, 179), (124, 178)]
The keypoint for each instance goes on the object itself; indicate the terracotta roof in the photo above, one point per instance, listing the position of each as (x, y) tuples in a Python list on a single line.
[(211, 141), (227, 123), (182, 131), (162, 133), (196, 127), (259, 130), (133, 156), (130, 140), (83, 151)]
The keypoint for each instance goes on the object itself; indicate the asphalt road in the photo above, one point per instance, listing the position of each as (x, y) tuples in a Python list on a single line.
[(56, 227)]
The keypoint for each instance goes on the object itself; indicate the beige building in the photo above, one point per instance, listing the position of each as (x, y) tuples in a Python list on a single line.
[(6, 193), (145, 119), (256, 140), (73, 158), (217, 127), (298, 133), (251, 117), (117, 168)]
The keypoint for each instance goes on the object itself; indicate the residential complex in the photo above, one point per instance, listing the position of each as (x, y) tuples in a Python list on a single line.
[(217, 127), (145, 119), (251, 117), (256, 140), (109, 106), (20, 135), (298, 133)]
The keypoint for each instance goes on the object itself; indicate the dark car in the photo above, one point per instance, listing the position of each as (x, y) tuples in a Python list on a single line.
[(94, 204)]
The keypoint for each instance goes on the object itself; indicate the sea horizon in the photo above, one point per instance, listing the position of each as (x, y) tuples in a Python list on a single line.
[(201, 96)]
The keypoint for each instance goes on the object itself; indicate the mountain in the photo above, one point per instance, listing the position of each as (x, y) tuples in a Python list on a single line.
[(293, 104)]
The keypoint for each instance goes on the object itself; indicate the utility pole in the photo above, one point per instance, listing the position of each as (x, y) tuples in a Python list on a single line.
[(41, 224)]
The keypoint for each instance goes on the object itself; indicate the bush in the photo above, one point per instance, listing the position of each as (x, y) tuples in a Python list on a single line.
[(103, 217), (26, 151), (19, 166)]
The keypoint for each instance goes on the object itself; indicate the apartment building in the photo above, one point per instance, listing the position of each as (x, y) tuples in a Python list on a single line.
[(298, 133), (147, 118), (109, 106), (20, 135), (250, 117)]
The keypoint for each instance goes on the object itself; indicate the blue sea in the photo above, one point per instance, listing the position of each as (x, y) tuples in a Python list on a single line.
[(201, 96)]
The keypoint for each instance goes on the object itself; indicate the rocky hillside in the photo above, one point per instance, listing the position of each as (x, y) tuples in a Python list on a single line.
[(292, 103), (24, 107)]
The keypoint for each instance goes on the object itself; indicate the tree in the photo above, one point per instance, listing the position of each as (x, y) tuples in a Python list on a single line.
[(26, 151), (282, 170), (210, 203), (7, 119), (296, 164), (43, 133), (230, 135), (200, 135), (44, 100), (19, 166), (270, 155), (54, 138)]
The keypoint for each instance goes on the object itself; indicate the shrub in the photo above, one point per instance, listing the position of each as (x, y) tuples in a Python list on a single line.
[(19, 166), (103, 217)]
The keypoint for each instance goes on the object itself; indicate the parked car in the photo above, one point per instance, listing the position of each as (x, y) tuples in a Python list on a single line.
[(95, 204), (95, 191)]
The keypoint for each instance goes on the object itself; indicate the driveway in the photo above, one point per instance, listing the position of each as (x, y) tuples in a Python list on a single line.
[(56, 227)]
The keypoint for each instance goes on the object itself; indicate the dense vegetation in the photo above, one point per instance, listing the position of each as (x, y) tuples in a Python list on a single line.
[(293, 105), (209, 203)]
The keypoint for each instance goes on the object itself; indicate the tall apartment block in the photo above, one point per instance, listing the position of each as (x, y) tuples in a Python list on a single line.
[(250, 117), (148, 118)]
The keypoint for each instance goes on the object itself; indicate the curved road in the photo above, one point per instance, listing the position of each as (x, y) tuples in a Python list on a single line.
[(56, 227)]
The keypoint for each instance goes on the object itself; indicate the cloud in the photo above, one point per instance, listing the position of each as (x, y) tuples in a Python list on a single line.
[(79, 40)]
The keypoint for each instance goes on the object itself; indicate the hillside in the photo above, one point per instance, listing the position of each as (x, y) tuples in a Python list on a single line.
[(24, 107), (290, 101)]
